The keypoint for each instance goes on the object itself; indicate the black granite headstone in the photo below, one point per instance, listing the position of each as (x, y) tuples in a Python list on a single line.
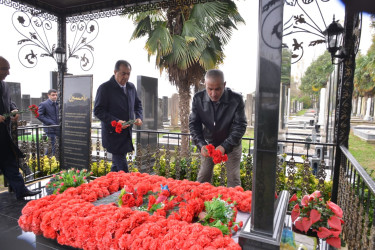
[(264, 228), (53, 79), (147, 90), (15, 92), (25, 103), (76, 122)]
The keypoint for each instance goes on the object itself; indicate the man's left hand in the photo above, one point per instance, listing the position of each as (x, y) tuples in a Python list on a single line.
[(221, 149), (15, 117), (138, 122)]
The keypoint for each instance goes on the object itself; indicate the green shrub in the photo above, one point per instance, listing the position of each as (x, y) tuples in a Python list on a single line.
[(48, 166)]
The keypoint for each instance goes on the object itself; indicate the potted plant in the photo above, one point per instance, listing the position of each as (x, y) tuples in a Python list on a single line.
[(66, 179), (315, 215)]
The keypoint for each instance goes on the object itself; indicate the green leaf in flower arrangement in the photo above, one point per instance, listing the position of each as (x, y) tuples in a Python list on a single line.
[(156, 207), (223, 228)]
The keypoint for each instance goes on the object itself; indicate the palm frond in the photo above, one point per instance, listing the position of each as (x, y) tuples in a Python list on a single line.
[(211, 12), (159, 41), (191, 29), (209, 58), (179, 49), (142, 28)]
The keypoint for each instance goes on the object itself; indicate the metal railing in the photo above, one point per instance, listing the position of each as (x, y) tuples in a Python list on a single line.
[(356, 197), (160, 152)]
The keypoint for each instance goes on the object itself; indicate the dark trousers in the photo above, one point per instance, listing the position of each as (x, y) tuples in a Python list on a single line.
[(52, 140), (119, 163), (233, 168), (9, 167)]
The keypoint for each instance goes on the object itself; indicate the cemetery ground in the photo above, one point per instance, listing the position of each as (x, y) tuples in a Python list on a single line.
[(364, 152)]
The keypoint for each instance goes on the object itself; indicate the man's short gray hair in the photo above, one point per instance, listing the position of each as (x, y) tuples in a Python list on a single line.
[(215, 74)]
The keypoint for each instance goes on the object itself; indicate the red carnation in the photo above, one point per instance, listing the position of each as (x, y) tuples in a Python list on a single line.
[(128, 200), (210, 148)]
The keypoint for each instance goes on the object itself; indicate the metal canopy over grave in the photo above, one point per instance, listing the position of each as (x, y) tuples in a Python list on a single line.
[(262, 228)]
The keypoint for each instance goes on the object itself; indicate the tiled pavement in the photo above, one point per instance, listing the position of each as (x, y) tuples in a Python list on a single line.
[(11, 235)]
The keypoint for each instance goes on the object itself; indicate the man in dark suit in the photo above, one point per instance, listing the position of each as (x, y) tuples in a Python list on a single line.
[(9, 152), (49, 115), (117, 100)]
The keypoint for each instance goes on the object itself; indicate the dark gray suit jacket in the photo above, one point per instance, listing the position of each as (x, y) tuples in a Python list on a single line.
[(111, 104)]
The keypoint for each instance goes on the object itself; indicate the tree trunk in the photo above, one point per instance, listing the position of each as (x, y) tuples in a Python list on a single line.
[(184, 108)]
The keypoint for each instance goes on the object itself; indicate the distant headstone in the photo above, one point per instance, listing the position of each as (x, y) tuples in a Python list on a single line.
[(165, 108), (160, 113), (44, 96), (53, 76), (25, 103), (249, 109), (15, 92), (174, 110), (169, 107), (76, 122), (147, 90), (35, 101)]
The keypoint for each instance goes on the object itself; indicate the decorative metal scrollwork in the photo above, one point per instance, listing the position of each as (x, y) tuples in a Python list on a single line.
[(35, 31), (84, 33), (303, 23), (27, 9)]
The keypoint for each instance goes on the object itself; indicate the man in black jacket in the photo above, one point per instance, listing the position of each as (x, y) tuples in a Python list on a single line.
[(218, 118), (9, 152), (117, 100)]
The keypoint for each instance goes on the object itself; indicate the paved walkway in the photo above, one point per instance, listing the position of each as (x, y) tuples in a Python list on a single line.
[(11, 235)]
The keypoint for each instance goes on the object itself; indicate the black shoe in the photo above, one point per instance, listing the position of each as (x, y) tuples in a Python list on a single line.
[(28, 193)]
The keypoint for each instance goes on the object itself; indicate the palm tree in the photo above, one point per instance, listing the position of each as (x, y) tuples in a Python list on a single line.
[(186, 41), (364, 76)]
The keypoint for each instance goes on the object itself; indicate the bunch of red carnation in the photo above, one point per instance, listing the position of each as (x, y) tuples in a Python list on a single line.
[(216, 154), (34, 109), (117, 125)]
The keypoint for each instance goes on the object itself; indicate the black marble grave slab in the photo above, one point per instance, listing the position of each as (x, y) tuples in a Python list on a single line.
[(76, 125)]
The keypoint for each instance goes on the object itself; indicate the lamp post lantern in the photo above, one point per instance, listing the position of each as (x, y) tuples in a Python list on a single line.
[(60, 55), (333, 35)]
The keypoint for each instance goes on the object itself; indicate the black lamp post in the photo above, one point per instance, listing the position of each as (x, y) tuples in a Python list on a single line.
[(60, 57), (334, 35)]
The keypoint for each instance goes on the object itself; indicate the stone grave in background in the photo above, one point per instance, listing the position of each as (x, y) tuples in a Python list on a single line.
[(165, 109), (174, 110), (25, 103), (147, 90)]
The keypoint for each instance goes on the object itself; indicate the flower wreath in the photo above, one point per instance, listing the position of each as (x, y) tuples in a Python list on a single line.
[(74, 220)]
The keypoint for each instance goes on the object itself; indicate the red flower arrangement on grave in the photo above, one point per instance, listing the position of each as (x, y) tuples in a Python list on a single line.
[(215, 213), (73, 220), (33, 108), (118, 125), (216, 154), (324, 218)]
